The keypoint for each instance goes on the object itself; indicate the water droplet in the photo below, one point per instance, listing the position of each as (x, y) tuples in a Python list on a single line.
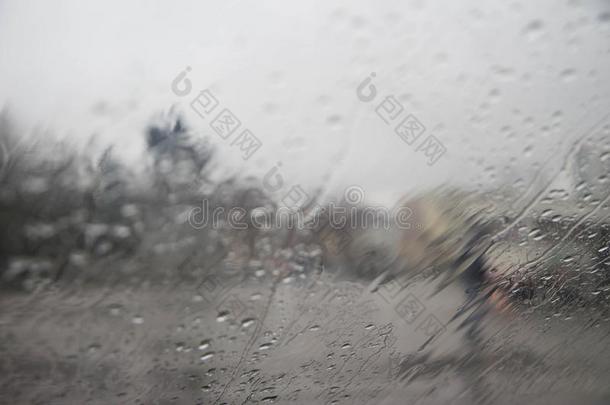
[(333, 119), (270, 108), (137, 320), (206, 356), (568, 75), (115, 309), (222, 316), (604, 17), (247, 322), (264, 346), (260, 273), (533, 30), (536, 234), (494, 95), (93, 348), (204, 344)]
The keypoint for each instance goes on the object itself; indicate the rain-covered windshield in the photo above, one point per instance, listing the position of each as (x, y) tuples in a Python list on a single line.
[(310, 203)]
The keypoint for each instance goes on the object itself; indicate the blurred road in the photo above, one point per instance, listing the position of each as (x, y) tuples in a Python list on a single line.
[(304, 340)]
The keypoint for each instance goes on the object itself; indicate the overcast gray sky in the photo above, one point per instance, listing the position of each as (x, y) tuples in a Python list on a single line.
[(503, 85)]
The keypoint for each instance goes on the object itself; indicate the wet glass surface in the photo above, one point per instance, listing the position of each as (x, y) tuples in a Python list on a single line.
[(309, 203)]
